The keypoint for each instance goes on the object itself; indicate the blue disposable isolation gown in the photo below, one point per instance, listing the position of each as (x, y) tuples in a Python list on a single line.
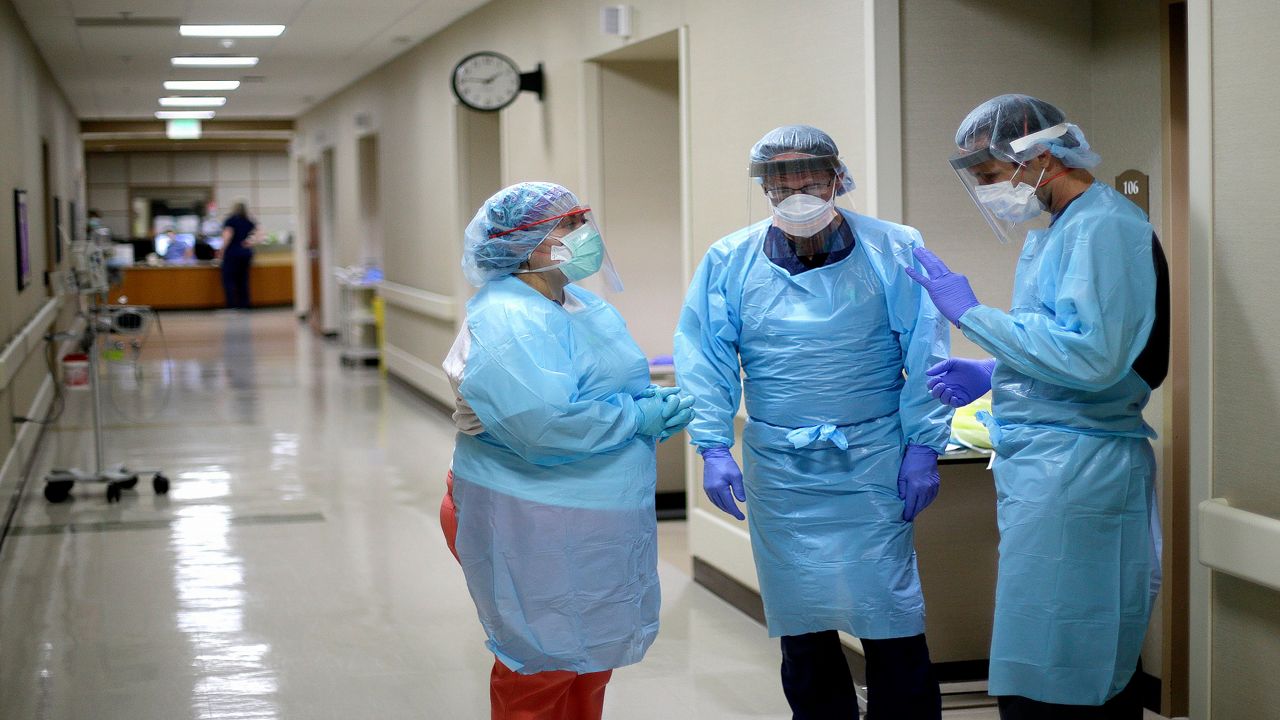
[(830, 413), (1074, 469), (556, 524)]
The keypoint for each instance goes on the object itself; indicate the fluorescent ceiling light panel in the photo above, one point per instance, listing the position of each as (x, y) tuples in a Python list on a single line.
[(192, 101), (201, 84), (184, 115), (225, 31), (182, 130), (213, 61)]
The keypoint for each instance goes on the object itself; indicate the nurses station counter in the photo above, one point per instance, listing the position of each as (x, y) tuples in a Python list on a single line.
[(956, 551), (197, 284)]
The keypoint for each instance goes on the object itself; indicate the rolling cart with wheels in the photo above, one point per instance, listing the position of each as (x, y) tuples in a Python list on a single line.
[(59, 482), (358, 322)]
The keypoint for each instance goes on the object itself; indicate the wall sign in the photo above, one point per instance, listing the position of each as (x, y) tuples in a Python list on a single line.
[(1135, 186)]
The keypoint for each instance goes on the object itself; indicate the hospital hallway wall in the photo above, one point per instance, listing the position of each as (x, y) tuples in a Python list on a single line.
[(296, 569)]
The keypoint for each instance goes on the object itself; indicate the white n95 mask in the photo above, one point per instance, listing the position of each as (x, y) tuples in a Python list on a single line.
[(1014, 203), (804, 215)]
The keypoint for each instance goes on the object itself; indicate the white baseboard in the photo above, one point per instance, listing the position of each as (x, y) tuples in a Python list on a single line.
[(724, 544)]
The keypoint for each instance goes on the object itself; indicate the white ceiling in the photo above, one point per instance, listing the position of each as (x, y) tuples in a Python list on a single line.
[(117, 72)]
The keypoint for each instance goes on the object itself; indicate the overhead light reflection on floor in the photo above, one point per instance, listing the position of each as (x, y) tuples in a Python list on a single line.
[(209, 581), (207, 484)]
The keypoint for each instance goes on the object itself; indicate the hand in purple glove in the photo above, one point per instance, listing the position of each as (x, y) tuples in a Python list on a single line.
[(722, 480), (917, 480), (958, 382), (950, 291)]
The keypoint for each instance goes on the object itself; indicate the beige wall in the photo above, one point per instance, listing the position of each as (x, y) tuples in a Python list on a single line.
[(35, 111), (1246, 340), (737, 92)]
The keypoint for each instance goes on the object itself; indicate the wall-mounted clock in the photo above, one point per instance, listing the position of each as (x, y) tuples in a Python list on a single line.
[(488, 82)]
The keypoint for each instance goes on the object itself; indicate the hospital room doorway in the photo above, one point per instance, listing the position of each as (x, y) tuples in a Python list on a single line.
[(370, 203), (635, 154)]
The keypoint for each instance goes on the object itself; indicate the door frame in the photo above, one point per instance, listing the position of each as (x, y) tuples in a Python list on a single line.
[(314, 291), (1176, 557), (1200, 340)]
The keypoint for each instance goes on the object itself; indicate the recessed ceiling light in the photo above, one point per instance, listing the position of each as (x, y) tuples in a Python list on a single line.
[(213, 61), (192, 101), (201, 84), (184, 114), (222, 31)]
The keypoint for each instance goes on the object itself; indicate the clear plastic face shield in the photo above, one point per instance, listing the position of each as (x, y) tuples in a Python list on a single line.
[(1003, 185), (798, 193), (575, 248)]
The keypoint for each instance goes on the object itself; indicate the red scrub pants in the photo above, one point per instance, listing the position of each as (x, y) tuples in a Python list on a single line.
[(550, 695)]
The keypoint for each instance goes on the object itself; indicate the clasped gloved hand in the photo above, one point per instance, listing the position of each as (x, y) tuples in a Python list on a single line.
[(950, 291), (722, 480), (958, 382), (917, 480), (678, 413), (664, 411)]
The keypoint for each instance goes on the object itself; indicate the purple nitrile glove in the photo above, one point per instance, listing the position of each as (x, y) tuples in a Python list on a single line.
[(722, 480), (950, 291), (917, 480), (958, 382)]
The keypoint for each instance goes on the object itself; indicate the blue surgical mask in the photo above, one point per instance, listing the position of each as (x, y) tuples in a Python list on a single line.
[(582, 254)]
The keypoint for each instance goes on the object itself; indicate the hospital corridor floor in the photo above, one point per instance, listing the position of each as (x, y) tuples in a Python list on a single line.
[(296, 568)]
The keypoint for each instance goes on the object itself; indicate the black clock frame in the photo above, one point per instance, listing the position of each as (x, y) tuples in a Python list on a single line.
[(531, 81)]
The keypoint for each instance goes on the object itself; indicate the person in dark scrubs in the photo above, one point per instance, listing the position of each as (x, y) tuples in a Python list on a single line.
[(237, 255)]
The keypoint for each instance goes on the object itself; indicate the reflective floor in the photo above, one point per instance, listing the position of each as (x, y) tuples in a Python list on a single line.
[(296, 568)]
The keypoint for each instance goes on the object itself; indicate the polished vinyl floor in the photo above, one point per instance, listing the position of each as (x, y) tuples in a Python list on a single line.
[(296, 568)]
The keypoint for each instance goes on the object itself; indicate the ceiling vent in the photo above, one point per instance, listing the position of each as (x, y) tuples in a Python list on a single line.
[(246, 79)]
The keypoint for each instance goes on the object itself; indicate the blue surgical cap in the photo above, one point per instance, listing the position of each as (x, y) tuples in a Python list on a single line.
[(801, 139), (997, 126), (492, 250)]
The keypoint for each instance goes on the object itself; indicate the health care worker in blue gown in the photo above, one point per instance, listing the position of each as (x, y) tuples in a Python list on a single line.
[(1073, 364), (554, 468), (809, 314)]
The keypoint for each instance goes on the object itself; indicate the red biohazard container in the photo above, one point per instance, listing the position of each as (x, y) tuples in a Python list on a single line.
[(75, 371)]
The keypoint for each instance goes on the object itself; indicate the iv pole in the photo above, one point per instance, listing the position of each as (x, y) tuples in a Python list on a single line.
[(90, 280)]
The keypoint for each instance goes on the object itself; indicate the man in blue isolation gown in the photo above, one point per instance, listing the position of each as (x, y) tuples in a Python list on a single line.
[(810, 314), (1074, 362)]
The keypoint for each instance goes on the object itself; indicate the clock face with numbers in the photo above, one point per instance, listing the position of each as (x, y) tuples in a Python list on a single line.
[(486, 81)]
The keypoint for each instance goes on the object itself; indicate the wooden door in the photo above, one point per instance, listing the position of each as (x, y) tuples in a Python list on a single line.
[(316, 301)]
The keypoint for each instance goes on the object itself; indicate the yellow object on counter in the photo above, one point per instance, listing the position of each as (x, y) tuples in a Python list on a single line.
[(966, 430)]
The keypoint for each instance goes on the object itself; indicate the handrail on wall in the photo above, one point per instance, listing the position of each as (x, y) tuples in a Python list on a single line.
[(1240, 543), (26, 340), (423, 302)]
